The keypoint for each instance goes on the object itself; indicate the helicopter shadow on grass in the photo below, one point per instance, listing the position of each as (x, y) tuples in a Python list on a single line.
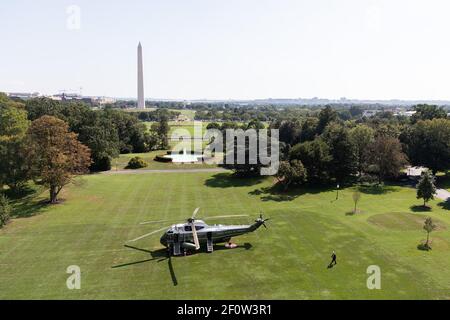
[(220, 247), (157, 255)]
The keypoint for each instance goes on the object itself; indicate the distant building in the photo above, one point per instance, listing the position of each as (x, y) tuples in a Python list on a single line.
[(405, 113), (23, 95), (415, 172), (103, 100), (67, 97), (370, 113), (94, 101)]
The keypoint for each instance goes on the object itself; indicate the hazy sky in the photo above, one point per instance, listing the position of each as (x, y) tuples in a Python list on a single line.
[(196, 49)]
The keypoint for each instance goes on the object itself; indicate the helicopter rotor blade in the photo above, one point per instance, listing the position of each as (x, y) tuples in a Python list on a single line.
[(194, 235), (154, 221), (195, 213), (229, 216), (149, 234)]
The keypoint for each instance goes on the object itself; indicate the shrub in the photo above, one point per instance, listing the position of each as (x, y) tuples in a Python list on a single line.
[(136, 163), (5, 210)]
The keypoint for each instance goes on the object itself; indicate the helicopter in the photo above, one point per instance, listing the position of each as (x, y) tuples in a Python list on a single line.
[(179, 238)]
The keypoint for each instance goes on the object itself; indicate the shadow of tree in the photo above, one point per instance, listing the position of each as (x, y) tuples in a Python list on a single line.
[(277, 192), (424, 247), (420, 208), (27, 203), (445, 204), (227, 180), (376, 189)]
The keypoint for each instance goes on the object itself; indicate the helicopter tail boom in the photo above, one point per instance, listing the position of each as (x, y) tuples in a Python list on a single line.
[(258, 223)]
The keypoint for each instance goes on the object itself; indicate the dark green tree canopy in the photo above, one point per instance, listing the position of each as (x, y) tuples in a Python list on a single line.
[(428, 144), (428, 112), (426, 187)]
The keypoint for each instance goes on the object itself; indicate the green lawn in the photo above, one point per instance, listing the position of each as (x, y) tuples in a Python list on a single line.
[(186, 125), (286, 261), (122, 161)]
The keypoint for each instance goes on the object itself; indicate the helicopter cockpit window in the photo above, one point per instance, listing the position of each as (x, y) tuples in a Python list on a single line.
[(189, 228)]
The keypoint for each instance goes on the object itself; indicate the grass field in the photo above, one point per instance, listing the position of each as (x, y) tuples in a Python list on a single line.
[(186, 112), (121, 162), (287, 261)]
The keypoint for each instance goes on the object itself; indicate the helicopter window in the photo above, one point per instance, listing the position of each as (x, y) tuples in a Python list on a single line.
[(189, 228)]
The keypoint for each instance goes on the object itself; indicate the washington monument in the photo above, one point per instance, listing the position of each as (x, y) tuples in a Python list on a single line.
[(141, 99)]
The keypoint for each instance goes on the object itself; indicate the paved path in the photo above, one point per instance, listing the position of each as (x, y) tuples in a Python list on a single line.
[(443, 194), (142, 171)]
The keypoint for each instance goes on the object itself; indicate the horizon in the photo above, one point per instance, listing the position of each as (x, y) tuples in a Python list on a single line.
[(234, 51)]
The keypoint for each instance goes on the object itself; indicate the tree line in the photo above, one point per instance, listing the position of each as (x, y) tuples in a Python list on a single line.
[(51, 141), (323, 148)]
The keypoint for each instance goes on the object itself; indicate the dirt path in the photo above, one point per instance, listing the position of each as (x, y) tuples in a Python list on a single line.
[(443, 194)]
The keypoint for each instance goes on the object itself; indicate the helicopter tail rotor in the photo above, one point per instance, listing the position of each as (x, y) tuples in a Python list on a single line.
[(261, 220)]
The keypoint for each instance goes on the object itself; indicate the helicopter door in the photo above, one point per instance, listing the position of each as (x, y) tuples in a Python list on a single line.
[(209, 242), (176, 245)]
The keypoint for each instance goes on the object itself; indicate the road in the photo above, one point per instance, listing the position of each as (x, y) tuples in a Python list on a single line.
[(443, 194)]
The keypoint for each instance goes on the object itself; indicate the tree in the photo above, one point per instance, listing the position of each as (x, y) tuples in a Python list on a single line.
[(356, 197), (428, 144), (161, 131), (213, 126), (106, 132), (100, 135), (361, 137), (309, 129), (428, 112), (387, 156), (426, 187), (343, 162), (5, 210), (55, 154), (13, 126), (248, 168), (130, 130), (291, 172), (255, 124), (315, 157), (429, 227), (39, 107), (289, 131), (326, 116)]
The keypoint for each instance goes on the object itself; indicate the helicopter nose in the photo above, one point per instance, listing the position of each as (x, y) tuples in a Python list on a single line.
[(163, 240)]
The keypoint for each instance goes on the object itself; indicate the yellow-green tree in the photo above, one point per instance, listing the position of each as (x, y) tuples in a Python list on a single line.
[(55, 154)]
